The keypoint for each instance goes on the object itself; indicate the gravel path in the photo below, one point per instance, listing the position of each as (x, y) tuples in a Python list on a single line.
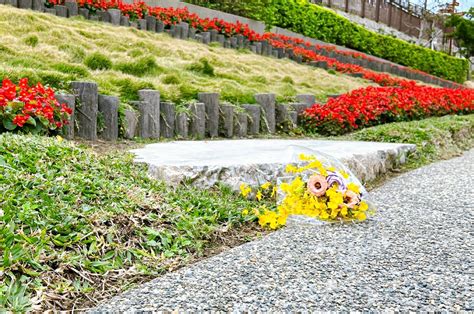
[(417, 254)]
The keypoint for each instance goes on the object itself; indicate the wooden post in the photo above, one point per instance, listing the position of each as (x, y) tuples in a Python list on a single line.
[(362, 10), (400, 24), (346, 6), (390, 5), (377, 10)]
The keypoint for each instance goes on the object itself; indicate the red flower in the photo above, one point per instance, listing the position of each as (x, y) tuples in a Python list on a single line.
[(20, 120)]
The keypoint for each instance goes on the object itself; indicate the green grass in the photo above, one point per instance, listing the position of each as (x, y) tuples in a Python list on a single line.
[(56, 51), (67, 210), (435, 138)]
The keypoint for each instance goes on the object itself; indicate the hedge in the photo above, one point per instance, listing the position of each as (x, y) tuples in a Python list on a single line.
[(317, 22)]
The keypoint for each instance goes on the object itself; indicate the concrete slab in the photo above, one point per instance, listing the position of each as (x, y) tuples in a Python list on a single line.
[(204, 163)]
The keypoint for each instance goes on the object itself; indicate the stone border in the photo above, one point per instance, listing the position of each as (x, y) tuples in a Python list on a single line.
[(152, 118)]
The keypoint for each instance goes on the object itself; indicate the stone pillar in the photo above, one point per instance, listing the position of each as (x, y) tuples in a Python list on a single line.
[(233, 42), (143, 109), (299, 107), (25, 4), (211, 101), (84, 12), (182, 125), (192, 33), (281, 114), (254, 115), (292, 119), (108, 107), (221, 39), (184, 27), (104, 16), (214, 34), (160, 26), (131, 123), (151, 23), (307, 99), (86, 112), (142, 24), (151, 117), (267, 103), (115, 16), (198, 120), (168, 116), (226, 120), (241, 124), (50, 11), (61, 10), (72, 7), (206, 38), (124, 21), (70, 101)]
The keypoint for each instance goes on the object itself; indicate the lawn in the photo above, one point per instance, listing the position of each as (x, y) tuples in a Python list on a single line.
[(122, 60)]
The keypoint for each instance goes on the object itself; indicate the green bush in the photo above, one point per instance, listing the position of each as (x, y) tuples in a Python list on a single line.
[(31, 40), (141, 67), (98, 61), (317, 22), (171, 79), (202, 67)]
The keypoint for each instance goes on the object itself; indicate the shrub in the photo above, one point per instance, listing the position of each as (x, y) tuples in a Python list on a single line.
[(378, 105), (202, 67), (31, 40), (141, 67), (171, 79), (31, 109), (98, 61)]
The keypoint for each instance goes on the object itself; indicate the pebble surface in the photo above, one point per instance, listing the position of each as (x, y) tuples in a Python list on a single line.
[(415, 254)]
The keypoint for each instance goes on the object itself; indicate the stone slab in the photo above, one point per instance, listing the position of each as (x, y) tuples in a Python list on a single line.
[(233, 162)]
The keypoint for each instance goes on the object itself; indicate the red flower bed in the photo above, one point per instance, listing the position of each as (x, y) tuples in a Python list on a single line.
[(377, 105), (30, 108)]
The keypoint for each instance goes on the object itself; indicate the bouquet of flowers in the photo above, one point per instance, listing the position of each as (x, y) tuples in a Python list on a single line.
[(319, 187)]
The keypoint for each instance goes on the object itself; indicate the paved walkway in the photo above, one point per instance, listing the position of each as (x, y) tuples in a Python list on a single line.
[(417, 254)]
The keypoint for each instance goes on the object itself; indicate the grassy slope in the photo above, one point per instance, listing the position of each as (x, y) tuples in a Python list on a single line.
[(53, 50)]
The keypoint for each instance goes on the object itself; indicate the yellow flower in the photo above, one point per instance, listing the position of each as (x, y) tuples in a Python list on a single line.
[(59, 138), (274, 191), (344, 211), (353, 187), (363, 206), (332, 169), (291, 168), (266, 185), (361, 216), (259, 195), (245, 189), (245, 212), (344, 174)]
